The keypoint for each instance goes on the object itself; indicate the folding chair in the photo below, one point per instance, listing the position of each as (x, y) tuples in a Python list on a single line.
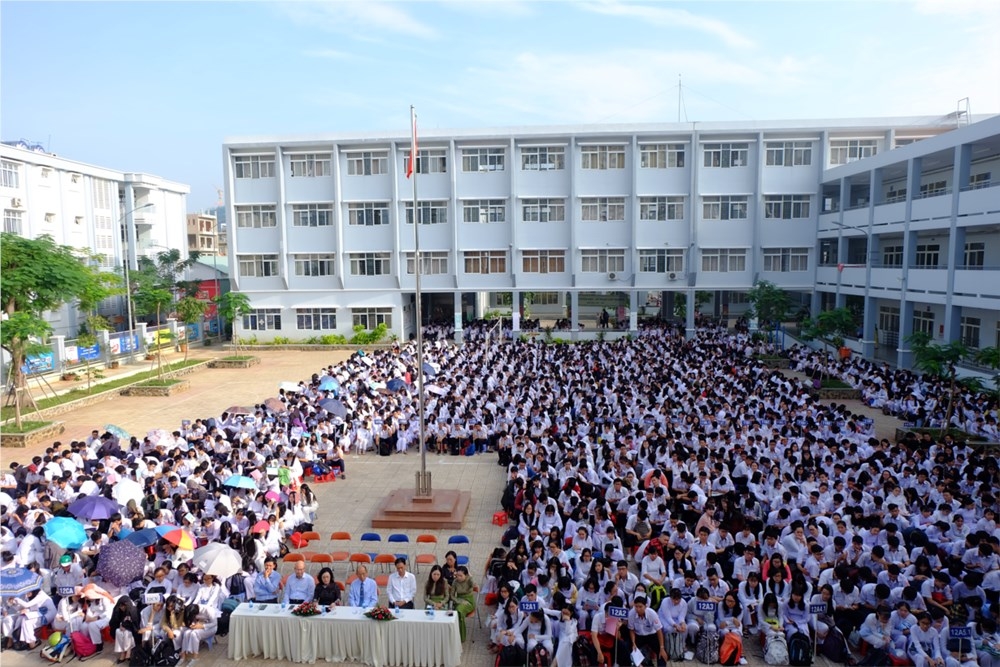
[(386, 561), (399, 538), (425, 558), (311, 535), (460, 539), (340, 556), (371, 537), (321, 560)]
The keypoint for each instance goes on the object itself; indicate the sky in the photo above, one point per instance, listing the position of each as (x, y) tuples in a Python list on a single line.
[(157, 87)]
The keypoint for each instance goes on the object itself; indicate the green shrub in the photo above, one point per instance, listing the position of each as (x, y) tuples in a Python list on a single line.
[(280, 340), (334, 339), (362, 337)]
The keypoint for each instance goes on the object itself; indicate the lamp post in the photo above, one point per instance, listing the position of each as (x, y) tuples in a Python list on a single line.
[(129, 240)]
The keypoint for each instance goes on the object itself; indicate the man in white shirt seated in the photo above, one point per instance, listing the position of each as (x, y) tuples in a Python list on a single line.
[(402, 587)]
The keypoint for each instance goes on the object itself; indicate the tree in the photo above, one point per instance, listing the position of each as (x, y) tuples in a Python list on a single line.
[(829, 327), (701, 297), (990, 357), (88, 338), (38, 276), (152, 300), (769, 303), (190, 310), (157, 286), (942, 361), (232, 306)]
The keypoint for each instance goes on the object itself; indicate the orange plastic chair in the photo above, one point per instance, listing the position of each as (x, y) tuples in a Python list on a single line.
[(340, 556), (361, 559), (385, 560), (341, 586), (294, 558), (382, 580), (310, 535), (340, 536), (321, 559), (424, 558)]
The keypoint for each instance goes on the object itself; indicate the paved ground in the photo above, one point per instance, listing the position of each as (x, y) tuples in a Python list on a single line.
[(344, 505)]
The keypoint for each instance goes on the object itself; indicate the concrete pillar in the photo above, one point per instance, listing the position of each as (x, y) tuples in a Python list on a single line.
[(515, 309), (868, 327), (140, 332), (59, 352), (689, 328), (667, 305), (458, 317), (633, 311), (574, 312), (952, 323), (904, 355), (173, 328), (104, 343)]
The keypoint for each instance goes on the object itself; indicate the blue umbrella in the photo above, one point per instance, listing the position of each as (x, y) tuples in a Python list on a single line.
[(93, 507), (16, 581), (143, 538), (429, 369), (118, 432), (241, 482), (395, 384), (67, 533), (334, 407), (329, 384)]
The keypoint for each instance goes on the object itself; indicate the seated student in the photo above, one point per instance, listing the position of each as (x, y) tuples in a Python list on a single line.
[(795, 616), (607, 632), (537, 631), (199, 625), (646, 631), (699, 619), (924, 647), (506, 623), (875, 629)]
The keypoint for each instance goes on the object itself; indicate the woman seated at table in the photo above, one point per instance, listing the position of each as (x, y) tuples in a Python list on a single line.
[(436, 590), (463, 596), (327, 591)]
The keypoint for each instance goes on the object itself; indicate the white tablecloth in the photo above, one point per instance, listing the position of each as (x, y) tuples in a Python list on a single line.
[(345, 634)]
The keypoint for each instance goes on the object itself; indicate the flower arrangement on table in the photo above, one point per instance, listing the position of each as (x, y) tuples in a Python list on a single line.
[(309, 608), (380, 613)]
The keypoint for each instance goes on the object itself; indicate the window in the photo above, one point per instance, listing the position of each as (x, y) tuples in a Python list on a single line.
[(843, 151), (828, 252), (312, 215), (254, 166), (311, 165), (256, 216), (12, 221), (545, 298), (368, 163), (484, 210), (543, 261), (975, 255), (314, 264), (724, 207), (661, 260), (103, 196), (429, 161), (788, 153), (892, 255), (258, 266), (543, 210), (483, 159), (906, 141), (543, 158), (969, 330), (786, 207), (602, 209), (923, 322), (934, 188), (429, 212), (661, 208), (726, 155), (977, 181), (316, 319), (262, 319), (603, 261), (431, 263), (369, 318), (927, 256), (723, 260), (10, 174), (370, 263), (485, 261), (368, 214), (661, 156), (786, 260), (895, 195), (888, 320), (603, 157)]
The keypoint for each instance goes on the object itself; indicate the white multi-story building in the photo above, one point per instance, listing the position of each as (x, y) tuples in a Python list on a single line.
[(91, 208), (577, 217)]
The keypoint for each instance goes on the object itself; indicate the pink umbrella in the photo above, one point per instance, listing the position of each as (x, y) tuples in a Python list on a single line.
[(261, 527), (272, 495)]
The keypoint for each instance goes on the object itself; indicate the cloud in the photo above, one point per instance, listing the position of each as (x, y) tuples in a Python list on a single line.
[(329, 54), (358, 19), (671, 17), (492, 8)]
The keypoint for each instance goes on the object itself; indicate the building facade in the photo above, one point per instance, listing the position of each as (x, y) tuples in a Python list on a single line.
[(575, 218), (93, 208), (202, 234)]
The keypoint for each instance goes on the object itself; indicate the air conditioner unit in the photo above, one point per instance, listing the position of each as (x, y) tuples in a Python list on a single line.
[(672, 276), (612, 275), (15, 202)]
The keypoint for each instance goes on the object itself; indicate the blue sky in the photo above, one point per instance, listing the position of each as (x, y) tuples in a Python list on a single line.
[(156, 87)]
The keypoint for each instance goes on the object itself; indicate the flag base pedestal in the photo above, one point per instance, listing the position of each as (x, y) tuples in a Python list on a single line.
[(404, 508)]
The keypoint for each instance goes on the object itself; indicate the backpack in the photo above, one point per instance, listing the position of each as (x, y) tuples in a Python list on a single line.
[(237, 585), (707, 650), (834, 647), (539, 657), (141, 656), (730, 649), (800, 650), (656, 593), (165, 655), (62, 650), (776, 650), (584, 653), (82, 645), (674, 643), (510, 656)]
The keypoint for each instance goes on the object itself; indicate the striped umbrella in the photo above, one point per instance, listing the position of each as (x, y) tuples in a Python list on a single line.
[(15, 581), (177, 536)]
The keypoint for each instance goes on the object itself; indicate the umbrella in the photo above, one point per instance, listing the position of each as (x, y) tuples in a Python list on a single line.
[(121, 563), (395, 384), (274, 405), (334, 407), (66, 532), (272, 495), (218, 559), (290, 386), (126, 490), (157, 434), (241, 482), (143, 538), (118, 432), (93, 507), (16, 581), (261, 527), (95, 592), (329, 384), (176, 536), (238, 410), (429, 369)]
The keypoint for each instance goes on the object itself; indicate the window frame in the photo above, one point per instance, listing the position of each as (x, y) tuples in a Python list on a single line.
[(664, 207), (372, 214), (602, 260), (601, 209), (493, 261), (788, 153), (431, 212), (258, 215), (727, 260), (726, 155), (325, 265), (546, 158), (429, 160), (432, 263), (13, 221), (545, 261), (724, 206), (314, 214), (496, 211), (316, 319), (661, 155), (372, 260), (662, 260), (545, 207), (10, 174), (787, 207), (483, 160), (785, 260), (253, 166), (602, 157), (371, 163), (974, 255), (264, 319), (312, 165), (371, 317), (845, 151), (260, 263)]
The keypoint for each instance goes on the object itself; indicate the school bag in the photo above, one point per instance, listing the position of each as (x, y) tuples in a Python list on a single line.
[(540, 657), (834, 647), (800, 650), (511, 656), (584, 653), (82, 645), (656, 594), (776, 650), (730, 649), (165, 655), (707, 649), (674, 643)]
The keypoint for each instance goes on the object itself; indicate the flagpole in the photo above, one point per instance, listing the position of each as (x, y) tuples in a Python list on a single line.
[(423, 483)]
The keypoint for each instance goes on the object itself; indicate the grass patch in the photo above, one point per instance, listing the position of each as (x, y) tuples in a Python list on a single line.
[(166, 382), (25, 426), (75, 394), (237, 357), (834, 383)]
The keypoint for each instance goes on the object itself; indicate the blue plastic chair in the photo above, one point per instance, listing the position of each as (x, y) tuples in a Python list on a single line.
[(460, 539), (371, 537), (400, 538)]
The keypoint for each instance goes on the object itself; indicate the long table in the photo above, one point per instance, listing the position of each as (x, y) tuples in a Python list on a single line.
[(414, 639)]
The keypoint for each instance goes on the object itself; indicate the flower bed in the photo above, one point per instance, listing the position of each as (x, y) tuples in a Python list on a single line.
[(157, 388), (238, 361), (46, 431)]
